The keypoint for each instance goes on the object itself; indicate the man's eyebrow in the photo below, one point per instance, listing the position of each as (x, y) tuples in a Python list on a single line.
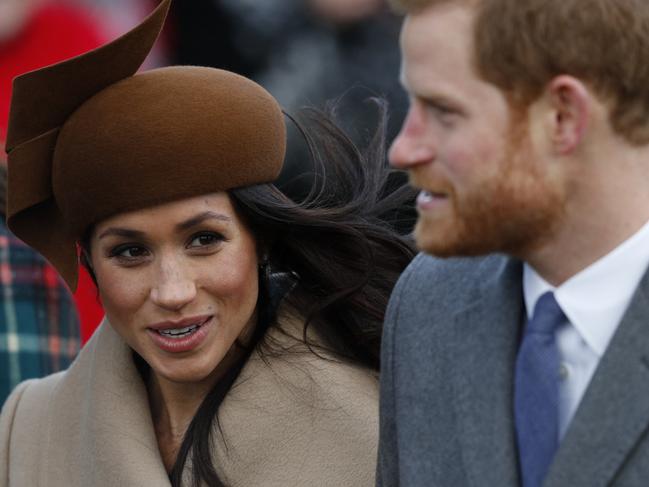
[(439, 101), (200, 218), (426, 96)]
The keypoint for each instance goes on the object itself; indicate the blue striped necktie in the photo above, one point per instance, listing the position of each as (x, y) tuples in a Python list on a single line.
[(536, 391)]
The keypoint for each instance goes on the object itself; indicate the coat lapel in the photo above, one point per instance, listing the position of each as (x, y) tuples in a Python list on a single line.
[(103, 434), (614, 411), (486, 335), (124, 435)]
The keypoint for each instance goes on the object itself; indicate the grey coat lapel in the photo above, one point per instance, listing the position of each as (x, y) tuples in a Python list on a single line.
[(614, 412), (483, 354)]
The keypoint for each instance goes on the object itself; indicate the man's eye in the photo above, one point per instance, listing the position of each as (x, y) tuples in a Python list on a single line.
[(205, 239), (441, 110)]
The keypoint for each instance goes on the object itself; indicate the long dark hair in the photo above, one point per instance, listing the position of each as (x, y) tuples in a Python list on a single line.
[(340, 247)]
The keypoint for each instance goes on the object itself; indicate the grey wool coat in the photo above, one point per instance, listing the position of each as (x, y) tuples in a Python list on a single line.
[(446, 415), (298, 420)]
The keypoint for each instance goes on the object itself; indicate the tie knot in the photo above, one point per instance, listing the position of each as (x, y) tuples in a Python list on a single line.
[(547, 315)]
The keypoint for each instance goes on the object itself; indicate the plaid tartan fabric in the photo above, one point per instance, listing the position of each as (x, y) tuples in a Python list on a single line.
[(39, 328)]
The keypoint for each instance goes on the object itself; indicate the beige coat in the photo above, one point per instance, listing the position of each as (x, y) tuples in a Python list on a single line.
[(299, 421)]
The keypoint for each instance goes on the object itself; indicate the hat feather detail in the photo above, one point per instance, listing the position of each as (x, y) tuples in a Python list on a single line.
[(43, 99), (34, 202)]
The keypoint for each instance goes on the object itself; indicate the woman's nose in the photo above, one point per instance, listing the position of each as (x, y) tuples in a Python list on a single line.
[(174, 287)]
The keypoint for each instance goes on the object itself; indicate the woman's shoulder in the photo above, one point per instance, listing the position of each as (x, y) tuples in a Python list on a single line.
[(23, 423), (312, 365), (304, 411), (35, 403), (31, 397)]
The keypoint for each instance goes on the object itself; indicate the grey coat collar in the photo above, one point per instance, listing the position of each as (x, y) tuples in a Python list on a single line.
[(614, 412), (612, 416), (483, 352)]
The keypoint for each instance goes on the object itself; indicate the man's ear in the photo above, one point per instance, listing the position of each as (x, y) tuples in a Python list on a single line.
[(570, 102)]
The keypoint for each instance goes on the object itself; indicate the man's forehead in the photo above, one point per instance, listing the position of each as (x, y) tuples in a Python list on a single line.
[(446, 26), (411, 6), (436, 45)]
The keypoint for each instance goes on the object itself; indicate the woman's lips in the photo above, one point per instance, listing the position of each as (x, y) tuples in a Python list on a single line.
[(428, 200), (182, 337)]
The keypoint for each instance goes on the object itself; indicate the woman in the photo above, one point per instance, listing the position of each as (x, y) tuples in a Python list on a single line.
[(198, 376)]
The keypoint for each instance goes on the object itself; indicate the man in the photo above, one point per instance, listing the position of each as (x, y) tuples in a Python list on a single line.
[(517, 351)]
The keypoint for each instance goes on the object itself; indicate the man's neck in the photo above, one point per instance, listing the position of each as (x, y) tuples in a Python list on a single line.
[(579, 242), (607, 201)]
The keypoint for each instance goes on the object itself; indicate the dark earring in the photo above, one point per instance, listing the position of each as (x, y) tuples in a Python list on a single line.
[(265, 309), (264, 272), (274, 286)]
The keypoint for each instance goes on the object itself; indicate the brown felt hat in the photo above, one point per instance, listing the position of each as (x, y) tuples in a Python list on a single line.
[(88, 139)]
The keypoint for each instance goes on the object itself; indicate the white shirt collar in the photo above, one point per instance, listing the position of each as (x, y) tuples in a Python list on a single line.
[(596, 298)]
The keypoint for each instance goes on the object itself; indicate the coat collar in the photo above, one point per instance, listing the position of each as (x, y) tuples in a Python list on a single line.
[(289, 418), (483, 352), (614, 412), (116, 435)]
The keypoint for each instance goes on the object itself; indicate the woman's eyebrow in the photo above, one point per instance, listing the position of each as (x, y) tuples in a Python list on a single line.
[(189, 223), (121, 232), (200, 218)]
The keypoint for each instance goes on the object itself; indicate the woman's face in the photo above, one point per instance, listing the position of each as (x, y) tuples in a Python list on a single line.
[(178, 282)]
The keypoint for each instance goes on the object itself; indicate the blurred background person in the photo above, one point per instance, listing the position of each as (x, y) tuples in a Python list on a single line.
[(306, 53), (39, 328), (33, 34)]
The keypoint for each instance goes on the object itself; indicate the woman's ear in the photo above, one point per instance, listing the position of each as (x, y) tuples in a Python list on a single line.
[(570, 104)]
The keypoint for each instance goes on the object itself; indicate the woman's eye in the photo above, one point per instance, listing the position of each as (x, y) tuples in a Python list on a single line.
[(129, 252), (205, 239)]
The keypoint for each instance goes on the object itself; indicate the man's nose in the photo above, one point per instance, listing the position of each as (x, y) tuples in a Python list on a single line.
[(175, 287), (414, 145)]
